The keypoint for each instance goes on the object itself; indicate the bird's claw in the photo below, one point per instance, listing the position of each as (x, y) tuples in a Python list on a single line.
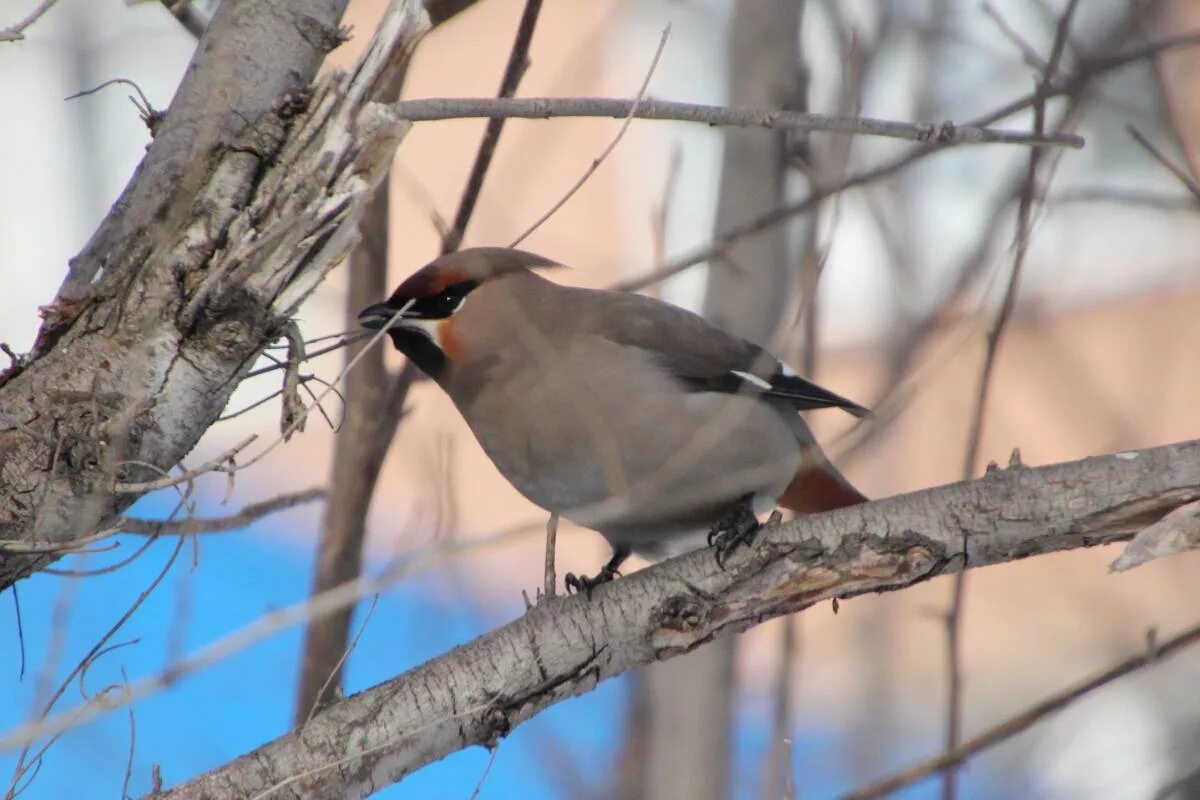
[(582, 583), (739, 528)]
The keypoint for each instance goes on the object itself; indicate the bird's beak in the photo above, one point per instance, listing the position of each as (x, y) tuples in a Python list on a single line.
[(376, 317)]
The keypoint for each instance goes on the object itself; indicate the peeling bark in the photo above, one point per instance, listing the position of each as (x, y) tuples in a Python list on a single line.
[(249, 195)]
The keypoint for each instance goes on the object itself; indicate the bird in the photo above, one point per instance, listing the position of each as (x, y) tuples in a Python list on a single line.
[(619, 412)]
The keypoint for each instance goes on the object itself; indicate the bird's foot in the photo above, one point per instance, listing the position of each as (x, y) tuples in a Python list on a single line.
[(739, 527), (582, 583)]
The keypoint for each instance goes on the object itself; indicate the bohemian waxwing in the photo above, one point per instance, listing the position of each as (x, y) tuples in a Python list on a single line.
[(619, 412)]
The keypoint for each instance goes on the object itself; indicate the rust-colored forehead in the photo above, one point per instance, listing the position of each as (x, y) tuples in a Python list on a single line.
[(474, 264), (429, 280)]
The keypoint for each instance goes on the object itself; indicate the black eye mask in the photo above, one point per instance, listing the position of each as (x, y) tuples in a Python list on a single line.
[(443, 304)]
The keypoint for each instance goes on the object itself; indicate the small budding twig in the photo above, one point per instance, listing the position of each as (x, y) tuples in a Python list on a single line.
[(551, 543)]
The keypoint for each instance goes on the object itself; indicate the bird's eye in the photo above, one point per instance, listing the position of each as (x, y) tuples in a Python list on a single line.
[(443, 304), (448, 301)]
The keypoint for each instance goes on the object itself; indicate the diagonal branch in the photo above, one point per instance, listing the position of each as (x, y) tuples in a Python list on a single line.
[(518, 62), (16, 31), (1154, 654), (480, 691)]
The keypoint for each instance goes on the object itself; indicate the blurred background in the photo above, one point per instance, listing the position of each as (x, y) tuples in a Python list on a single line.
[(884, 293)]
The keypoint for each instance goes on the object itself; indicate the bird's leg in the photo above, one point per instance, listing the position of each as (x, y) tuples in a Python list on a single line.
[(737, 527), (582, 583)]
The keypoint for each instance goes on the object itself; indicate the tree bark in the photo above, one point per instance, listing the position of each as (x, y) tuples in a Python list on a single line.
[(479, 692), (249, 195)]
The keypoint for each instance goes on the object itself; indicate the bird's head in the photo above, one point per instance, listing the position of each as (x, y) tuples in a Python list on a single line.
[(419, 314)]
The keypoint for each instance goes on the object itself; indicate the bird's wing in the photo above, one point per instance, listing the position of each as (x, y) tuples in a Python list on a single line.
[(704, 357)]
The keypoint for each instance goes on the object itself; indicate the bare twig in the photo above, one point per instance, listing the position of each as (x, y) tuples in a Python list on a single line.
[(105, 570), (132, 744), (493, 750), (291, 410), (1029, 53), (1179, 172), (269, 624), (16, 32), (518, 62), (94, 706), (630, 110), (188, 15), (233, 522), (217, 464), (662, 213), (1023, 721), (440, 108), (1118, 195), (333, 673), (20, 631), (1084, 75), (345, 339), (550, 579), (79, 545), (151, 117)]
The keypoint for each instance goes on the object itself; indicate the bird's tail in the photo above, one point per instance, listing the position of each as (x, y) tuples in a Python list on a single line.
[(819, 487)]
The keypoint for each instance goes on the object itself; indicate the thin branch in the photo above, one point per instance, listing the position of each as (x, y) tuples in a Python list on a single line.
[(1025, 720), (493, 750), (337, 667), (1118, 195), (96, 704), (20, 631), (188, 15), (217, 464), (315, 607), (518, 62), (1029, 53), (233, 522), (1086, 73), (630, 109), (1179, 172), (549, 578), (15, 33), (132, 744), (440, 108)]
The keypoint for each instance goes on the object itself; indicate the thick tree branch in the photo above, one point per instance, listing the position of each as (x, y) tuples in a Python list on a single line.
[(246, 200), (479, 692)]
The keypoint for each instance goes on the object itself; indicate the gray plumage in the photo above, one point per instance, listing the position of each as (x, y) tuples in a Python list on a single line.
[(623, 414)]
